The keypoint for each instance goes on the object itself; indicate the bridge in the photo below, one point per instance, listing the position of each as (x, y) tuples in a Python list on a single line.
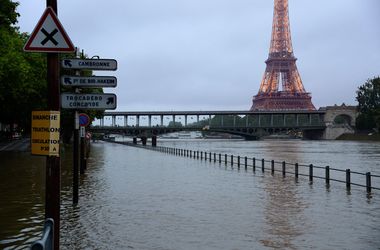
[(248, 124)]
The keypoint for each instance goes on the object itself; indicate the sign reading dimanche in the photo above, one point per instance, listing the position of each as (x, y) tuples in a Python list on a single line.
[(45, 133), (88, 101), (94, 64)]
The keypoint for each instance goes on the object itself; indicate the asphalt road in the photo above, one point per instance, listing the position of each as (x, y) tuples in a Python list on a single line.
[(19, 145)]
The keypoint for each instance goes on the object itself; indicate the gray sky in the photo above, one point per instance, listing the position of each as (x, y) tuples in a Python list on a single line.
[(209, 54)]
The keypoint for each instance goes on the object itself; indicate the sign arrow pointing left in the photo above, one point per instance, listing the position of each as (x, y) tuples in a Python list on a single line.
[(67, 80), (67, 63)]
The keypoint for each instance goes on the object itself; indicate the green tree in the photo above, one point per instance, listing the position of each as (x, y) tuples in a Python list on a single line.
[(368, 97), (23, 85), (8, 14), (22, 75)]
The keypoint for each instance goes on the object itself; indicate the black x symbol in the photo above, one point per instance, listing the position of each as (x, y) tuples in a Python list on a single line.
[(49, 36)]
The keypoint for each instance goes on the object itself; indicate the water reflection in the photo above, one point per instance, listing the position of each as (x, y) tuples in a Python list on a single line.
[(283, 214), (21, 198), (134, 198)]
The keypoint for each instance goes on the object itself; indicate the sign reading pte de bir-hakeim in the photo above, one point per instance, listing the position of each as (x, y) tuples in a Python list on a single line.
[(45, 133)]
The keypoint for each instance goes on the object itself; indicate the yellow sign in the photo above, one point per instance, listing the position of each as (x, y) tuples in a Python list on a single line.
[(45, 133)]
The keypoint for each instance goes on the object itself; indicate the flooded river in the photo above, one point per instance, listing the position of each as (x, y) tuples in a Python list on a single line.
[(132, 198)]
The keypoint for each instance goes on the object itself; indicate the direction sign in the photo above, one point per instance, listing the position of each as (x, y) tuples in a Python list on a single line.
[(89, 81), (93, 64), (88, 101), (45, 133), (49, 35)]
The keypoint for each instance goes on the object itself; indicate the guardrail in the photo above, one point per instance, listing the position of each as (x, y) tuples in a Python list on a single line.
[(47, 240), (327, 173)]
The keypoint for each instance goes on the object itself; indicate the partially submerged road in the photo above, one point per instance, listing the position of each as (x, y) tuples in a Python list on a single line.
[(20, 145)]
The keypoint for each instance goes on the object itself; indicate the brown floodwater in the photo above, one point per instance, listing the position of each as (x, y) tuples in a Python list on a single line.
[(131, 198)]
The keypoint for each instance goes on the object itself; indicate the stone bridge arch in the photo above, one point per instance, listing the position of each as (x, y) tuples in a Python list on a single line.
[(339, 120), (344, 112)]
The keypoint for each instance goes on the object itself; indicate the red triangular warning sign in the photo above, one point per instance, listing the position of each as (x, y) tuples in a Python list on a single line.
[(49, 35)]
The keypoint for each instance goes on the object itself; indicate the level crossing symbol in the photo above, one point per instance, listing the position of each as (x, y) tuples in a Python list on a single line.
[(49, 35)]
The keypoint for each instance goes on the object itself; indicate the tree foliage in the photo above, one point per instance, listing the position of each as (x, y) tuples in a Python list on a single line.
[(8, 14), (22, 75), (368, 97), (23, 84)]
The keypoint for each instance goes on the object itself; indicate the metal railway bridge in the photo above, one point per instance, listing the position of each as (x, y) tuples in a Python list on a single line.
[(248, 124)]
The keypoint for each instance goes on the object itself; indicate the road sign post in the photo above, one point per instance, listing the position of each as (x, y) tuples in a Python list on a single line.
[(84, 120), (76, 155), (82, 160), (50, 36), (80, 101)]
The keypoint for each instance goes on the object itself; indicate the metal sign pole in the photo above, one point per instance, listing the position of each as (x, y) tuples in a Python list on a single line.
[(76, 148), (82, 149), (53, 163), (76, 160)]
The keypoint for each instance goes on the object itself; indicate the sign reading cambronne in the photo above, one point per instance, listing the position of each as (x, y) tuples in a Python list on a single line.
[(89, 81), (88, 101), (93, 64), (45, 133)]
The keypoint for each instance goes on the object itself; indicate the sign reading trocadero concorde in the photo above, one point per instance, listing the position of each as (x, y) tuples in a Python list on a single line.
[(88, 101)]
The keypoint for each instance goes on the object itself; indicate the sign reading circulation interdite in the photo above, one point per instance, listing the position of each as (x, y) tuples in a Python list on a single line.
[(45, 133)]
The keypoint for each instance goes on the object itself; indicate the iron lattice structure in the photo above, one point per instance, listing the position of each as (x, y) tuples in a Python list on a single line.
[(281, 70)]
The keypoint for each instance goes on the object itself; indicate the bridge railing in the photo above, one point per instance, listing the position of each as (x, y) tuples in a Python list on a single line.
[(256, 120), (311, 172)]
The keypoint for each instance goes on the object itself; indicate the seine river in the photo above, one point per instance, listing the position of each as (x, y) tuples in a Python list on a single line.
[(132, 198)]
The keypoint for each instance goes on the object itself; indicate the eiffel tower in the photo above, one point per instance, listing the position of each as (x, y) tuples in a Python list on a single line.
[(281, 70)]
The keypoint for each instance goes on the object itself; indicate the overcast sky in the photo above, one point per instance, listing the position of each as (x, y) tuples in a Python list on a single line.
[(210, 54)]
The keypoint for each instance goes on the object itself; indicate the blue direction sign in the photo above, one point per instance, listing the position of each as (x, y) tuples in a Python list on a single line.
[(93, 64), (89, 81), (88, 101)]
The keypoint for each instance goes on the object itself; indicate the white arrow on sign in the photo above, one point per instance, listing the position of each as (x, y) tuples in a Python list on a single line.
[(88, 101), (49, 35), (94, 64), (89, 81)]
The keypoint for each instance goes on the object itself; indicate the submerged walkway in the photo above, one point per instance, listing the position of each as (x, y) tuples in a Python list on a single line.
[(20, 145)]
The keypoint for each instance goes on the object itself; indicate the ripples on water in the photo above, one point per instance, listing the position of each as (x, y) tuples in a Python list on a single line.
[(21, 197), (132, 198)]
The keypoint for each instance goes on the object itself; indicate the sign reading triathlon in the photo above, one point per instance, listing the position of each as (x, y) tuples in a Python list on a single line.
[(93, 64), (88, 101), (45, 133), (49, 35), (89, 81)]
